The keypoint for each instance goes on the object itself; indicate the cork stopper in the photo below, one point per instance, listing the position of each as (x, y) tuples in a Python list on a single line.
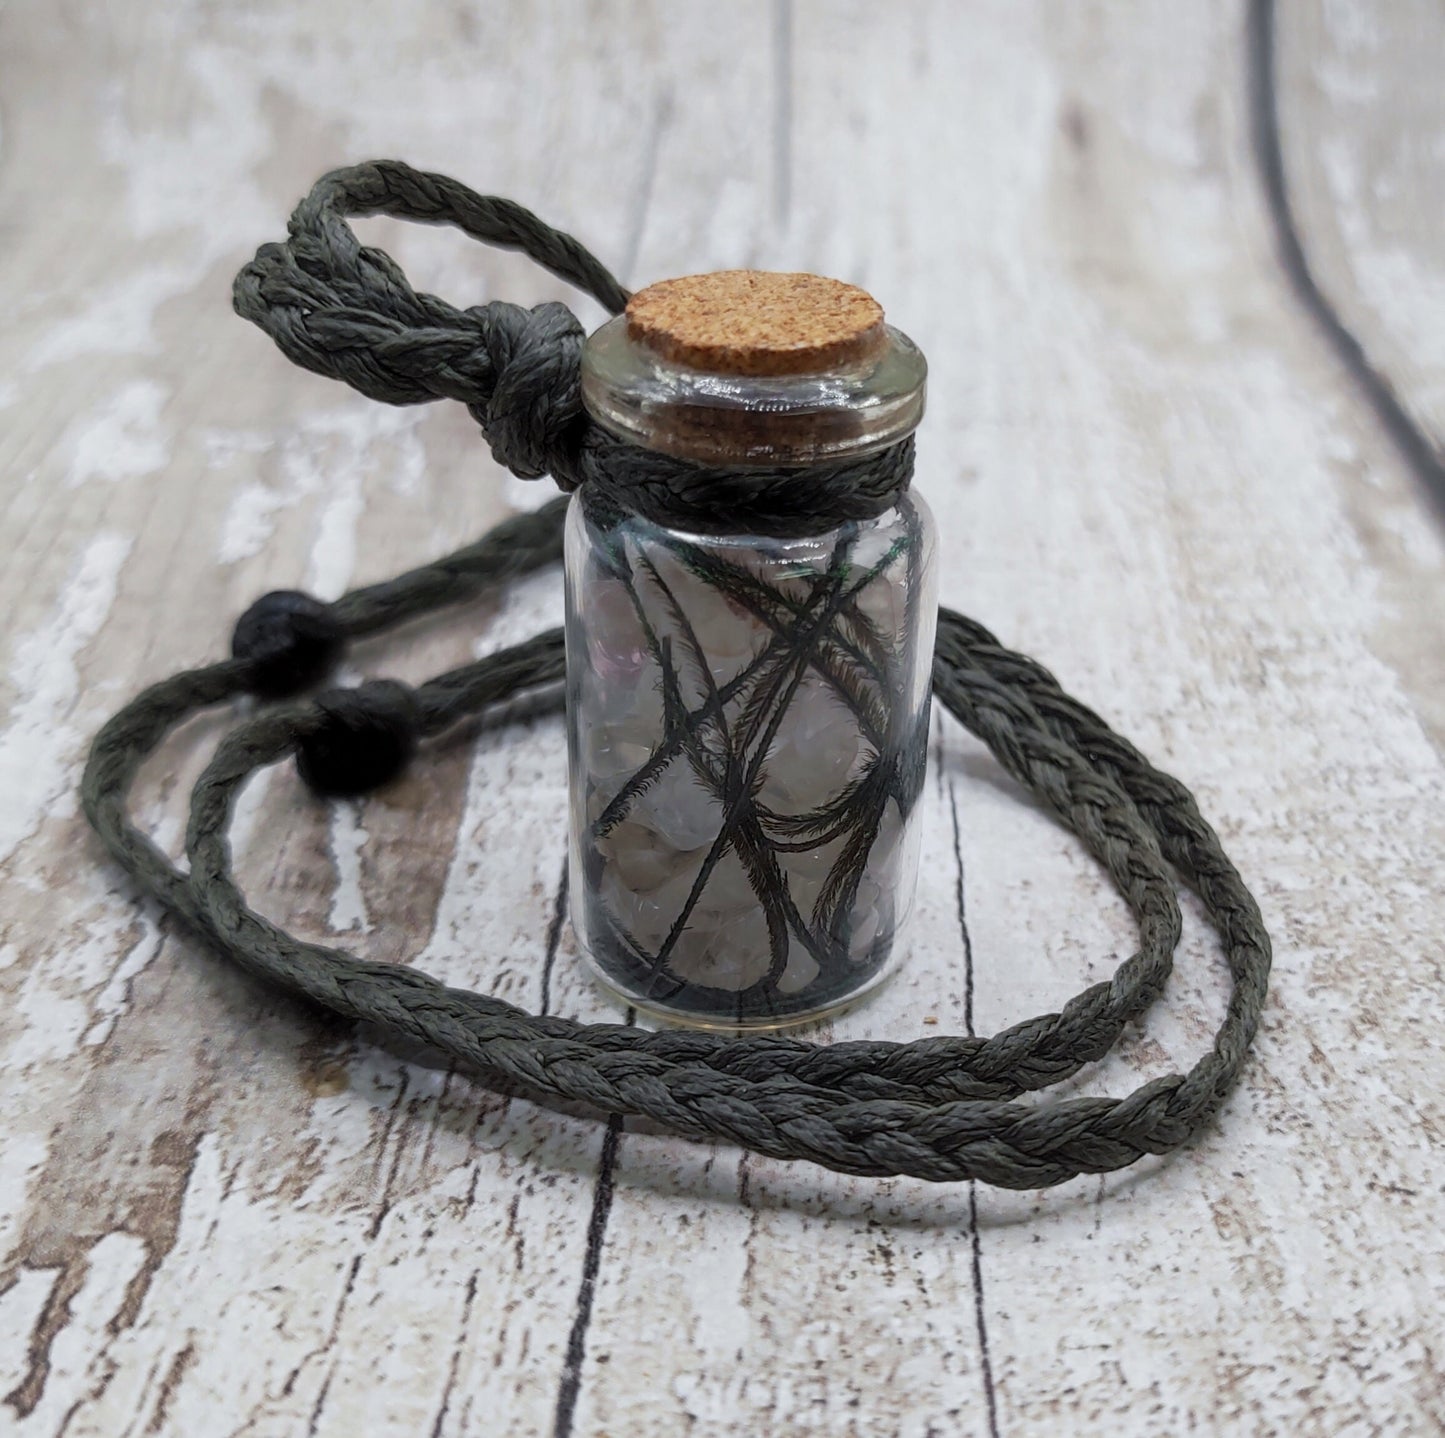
[(755, 322), (747, 368)]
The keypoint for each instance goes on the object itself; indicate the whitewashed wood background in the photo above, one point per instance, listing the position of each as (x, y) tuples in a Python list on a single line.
[(221, 1216)]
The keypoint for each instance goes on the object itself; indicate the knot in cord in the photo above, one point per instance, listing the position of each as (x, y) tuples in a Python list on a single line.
[(345, 310), (359, 738), (533, 417), (289, 641)]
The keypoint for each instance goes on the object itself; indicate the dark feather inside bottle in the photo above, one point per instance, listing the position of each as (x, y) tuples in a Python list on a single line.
[(749, 720)]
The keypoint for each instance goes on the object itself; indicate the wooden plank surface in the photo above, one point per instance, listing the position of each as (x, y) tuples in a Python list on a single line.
[(221, 1215)]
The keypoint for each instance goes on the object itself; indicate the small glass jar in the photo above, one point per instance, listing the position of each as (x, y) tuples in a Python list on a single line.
[(748, 715)]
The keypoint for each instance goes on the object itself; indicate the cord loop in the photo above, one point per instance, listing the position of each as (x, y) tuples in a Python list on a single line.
[(341, 309)]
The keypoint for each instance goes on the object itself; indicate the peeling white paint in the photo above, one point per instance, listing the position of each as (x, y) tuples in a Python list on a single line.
[(113, 1000), (249, 521), (116, 320), (76, 1360), (21, 1305), (333, 557), (122, 437), (22, 1156), (62, 1005), (250, 810), (348, 838), (38, 741), (408, 471), (196, 177), (329, 458)]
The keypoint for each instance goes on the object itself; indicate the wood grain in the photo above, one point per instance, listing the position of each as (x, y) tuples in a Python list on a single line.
[(222, 1215)]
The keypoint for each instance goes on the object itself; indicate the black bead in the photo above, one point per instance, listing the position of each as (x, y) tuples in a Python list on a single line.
[(365, 738), (291, 640)]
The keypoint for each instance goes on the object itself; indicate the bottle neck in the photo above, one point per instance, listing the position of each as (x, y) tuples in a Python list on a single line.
[(727, 420)]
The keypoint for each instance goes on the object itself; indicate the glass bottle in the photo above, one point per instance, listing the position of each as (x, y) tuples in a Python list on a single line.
[(748, 715)]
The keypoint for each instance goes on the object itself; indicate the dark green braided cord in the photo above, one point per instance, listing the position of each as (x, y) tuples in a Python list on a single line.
[(937, 1108)]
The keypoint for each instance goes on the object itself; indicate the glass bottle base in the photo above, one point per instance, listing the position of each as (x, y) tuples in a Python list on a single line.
[(714, 1022)]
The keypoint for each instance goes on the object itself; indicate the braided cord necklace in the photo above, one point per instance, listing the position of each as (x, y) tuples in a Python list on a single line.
[(942, 1108)]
